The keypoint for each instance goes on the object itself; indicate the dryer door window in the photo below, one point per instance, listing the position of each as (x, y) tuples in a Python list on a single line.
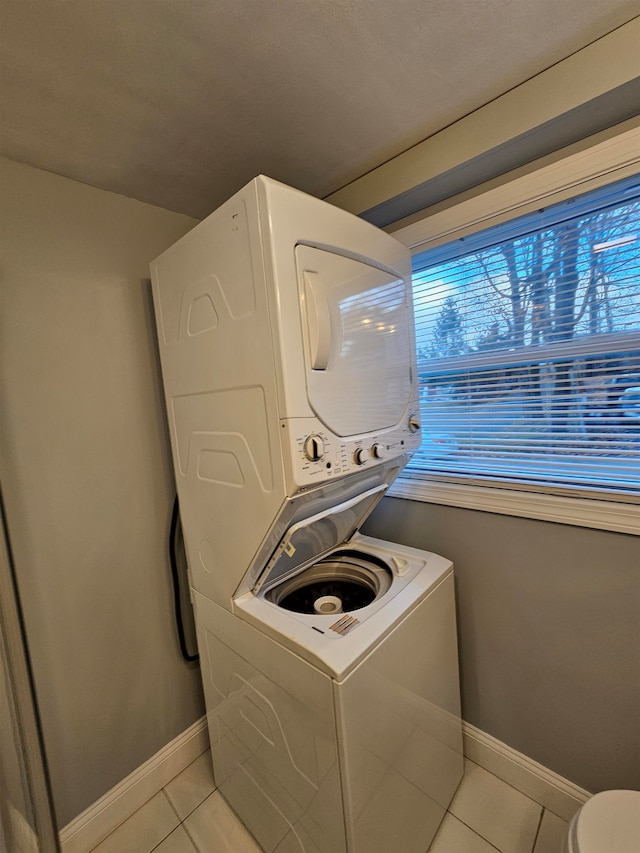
[(356, 322)]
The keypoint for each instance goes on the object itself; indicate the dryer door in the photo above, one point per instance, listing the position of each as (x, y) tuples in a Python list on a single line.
[(358, 341)]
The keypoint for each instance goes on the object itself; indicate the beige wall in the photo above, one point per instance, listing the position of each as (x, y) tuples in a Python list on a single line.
[(85, 467), (592, 89), (548, 618)]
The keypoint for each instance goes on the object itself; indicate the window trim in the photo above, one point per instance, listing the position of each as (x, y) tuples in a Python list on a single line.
[(586, 166), (577, 511)]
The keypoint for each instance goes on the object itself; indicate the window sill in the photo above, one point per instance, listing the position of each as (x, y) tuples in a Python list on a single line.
[(582, 512)]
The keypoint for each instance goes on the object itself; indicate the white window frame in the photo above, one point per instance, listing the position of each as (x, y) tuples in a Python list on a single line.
[(586, 166)]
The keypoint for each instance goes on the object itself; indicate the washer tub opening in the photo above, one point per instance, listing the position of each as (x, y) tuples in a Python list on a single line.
[(344, 581)]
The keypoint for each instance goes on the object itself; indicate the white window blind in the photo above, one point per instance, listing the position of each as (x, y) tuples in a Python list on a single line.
[(528, 337)]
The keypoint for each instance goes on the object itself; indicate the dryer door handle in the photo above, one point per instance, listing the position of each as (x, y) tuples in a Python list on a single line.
[(318, 320)]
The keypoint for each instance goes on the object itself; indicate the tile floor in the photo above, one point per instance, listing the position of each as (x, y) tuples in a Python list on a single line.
[(190, 816)]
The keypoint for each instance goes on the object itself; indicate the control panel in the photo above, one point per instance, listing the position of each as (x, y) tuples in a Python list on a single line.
[(313, 454)]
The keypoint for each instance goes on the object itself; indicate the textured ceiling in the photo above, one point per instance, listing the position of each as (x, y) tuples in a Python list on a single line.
[(180, 102)]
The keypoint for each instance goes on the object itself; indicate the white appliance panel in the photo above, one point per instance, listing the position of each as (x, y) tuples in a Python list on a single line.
[(220, 387), (313, 764), (400, 733), (273, 736), (357, 341)]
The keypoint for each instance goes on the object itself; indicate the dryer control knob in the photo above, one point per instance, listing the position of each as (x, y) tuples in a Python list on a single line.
[(360, 457), (377, 450), (313, 448), (413, 424)]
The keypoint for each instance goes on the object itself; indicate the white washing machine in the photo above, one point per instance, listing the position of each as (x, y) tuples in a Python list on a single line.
[(329, 659)]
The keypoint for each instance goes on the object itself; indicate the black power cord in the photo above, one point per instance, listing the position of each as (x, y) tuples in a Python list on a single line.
[(175, 576)]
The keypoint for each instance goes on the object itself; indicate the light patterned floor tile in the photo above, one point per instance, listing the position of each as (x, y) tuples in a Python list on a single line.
[(501, 815), (553, 831), (144, 830), (214, 828), (487, 815), (192, 786), (454, 837), (177, 842)]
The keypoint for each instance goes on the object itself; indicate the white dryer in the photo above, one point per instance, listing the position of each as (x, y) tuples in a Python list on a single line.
[(329, 659)]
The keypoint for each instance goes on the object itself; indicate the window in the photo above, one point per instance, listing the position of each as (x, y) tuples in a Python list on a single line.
[(528, 338)]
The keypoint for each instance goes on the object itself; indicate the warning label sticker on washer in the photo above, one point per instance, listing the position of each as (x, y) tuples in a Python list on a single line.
[(344, 625), (288, 549)]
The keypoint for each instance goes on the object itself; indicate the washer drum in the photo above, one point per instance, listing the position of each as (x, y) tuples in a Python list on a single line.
[(344, 581)]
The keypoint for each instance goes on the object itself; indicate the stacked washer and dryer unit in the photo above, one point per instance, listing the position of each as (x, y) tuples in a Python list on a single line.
[(329, 658)]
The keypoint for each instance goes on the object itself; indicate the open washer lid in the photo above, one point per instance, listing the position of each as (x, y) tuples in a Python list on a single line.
[(307, 540)]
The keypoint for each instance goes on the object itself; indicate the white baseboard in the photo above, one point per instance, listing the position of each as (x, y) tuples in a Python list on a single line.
[(93, 825), (552, 791)]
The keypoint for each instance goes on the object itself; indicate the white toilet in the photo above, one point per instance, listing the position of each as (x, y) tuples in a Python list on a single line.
[(607, 823)]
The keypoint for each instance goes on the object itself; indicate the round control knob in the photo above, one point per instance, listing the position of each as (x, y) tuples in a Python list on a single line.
[(413, 424), (377, 450), (313, 448), (359, 457)]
